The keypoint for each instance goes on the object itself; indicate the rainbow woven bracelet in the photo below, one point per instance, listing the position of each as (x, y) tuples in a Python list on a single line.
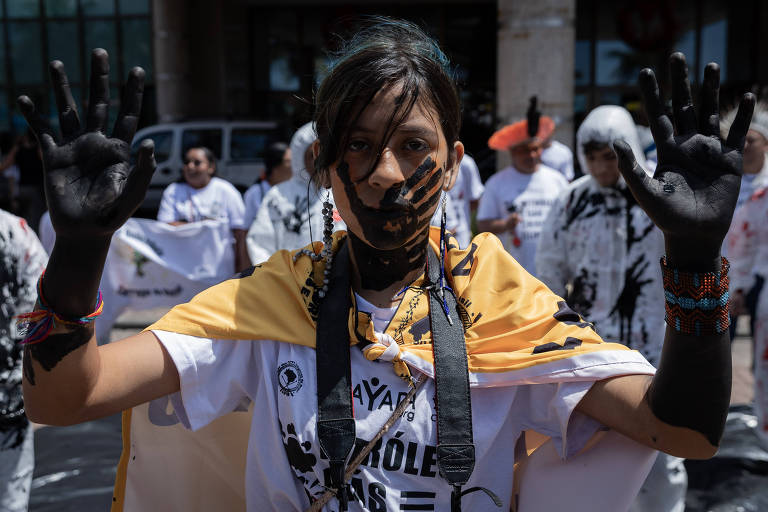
[(38, 324), (696, 303)]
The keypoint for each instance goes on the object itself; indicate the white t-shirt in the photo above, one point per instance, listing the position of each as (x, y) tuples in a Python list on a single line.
[(531, 196), (253, 198), (217, 200), (559, 157), (284, 464), (468, 187)]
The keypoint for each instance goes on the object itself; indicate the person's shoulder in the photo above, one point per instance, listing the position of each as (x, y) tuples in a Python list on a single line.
[(222, 184), (581, 183), (468, 164), (506, 174), (173, 188), (252, 191), (16, 232), (550, 174), (561, 149), (10, 223)]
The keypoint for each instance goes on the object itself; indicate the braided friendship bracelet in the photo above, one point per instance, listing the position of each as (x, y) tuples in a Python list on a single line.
[(696, 303), (38, 324)]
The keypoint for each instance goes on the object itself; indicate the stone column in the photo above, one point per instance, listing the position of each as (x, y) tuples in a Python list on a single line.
[(536, 42), (169, 23)]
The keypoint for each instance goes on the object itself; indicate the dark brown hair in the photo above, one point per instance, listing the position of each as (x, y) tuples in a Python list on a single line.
[(386, 53)]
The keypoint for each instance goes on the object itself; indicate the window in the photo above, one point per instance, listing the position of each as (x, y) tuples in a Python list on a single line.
[(39, 31), (163, 144), (248, 144), (202, 137)]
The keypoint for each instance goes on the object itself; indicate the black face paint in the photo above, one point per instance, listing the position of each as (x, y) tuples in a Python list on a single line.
[(382, 260), (380, 269), (397, 217), (49, 352)]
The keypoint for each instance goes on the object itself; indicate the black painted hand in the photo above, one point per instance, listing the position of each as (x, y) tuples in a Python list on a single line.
[(90, 188), (693, 193)]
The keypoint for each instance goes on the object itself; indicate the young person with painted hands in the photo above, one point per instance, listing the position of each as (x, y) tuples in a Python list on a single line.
[(387, 146)]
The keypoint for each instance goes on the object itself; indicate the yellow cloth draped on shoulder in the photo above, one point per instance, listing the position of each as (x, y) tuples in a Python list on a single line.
[(517, 332)]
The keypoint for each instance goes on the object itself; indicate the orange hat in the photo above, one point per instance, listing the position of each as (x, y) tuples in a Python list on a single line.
[(517, 133)]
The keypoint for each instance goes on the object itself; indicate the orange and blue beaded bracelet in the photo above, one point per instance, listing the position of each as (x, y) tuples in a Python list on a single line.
[(696, 303)]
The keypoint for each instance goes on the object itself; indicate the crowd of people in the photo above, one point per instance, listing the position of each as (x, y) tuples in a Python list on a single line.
[(381, 177)]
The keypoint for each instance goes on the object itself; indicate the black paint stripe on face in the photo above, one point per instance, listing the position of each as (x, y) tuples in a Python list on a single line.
[(434, 180), (422, 170), (431, 201)]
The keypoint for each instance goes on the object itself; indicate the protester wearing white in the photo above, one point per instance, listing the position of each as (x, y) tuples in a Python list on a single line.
[(22, 260), (253, 198), (467, 189), (217, 200), (748, 254), (531, 196), (559, 157), (755, 177), (600, 251), (291, 209)]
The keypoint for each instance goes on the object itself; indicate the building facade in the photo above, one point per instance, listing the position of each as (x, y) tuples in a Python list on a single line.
[(261, 59)]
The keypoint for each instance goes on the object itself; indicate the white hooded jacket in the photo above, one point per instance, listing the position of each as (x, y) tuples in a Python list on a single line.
[(291, 207), (600, 251)]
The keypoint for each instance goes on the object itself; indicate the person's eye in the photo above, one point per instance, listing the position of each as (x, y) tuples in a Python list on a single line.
[(416, 145), (357, 146)]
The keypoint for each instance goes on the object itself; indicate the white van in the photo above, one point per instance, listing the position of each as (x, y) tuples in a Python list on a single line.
[(238, 145)]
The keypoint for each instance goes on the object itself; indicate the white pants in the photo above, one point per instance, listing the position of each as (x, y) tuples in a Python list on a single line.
[(16, 466)]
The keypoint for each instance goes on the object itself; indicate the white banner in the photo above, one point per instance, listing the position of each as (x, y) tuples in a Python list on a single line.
[(152, 264)]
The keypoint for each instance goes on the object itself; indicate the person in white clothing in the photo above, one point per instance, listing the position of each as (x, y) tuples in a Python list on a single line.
[(517, 199), (277, 162), (290, 216), (748, 254), (22, 259), (755, 177), (465, 195), (755, 162), (204, 196), (559, 157), (599, 250)]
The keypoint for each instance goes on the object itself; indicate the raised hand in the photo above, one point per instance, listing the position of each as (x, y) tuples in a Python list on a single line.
[(90, 188), (693, 193)]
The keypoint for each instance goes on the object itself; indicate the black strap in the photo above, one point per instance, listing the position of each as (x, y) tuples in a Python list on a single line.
[(336, 423), (335, 418), (455, 445)]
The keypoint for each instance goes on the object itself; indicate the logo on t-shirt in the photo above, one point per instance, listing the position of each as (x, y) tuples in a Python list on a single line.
[(289, 378)]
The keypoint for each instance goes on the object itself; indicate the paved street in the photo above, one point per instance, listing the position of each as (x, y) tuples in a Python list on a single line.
[(75, 466)]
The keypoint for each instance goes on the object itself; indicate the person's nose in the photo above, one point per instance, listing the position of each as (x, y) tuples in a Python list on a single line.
[(599, 167), (387, 172)]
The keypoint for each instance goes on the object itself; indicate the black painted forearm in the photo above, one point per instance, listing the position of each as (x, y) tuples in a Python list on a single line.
[(692, 387), (70, 288), (71, 280)]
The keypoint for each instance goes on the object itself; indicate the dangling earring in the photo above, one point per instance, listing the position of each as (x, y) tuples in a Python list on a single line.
[(443, 284), (327, 251)]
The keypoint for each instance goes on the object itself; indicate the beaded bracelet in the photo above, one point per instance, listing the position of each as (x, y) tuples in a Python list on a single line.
[(39, 323), (696, 303)]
